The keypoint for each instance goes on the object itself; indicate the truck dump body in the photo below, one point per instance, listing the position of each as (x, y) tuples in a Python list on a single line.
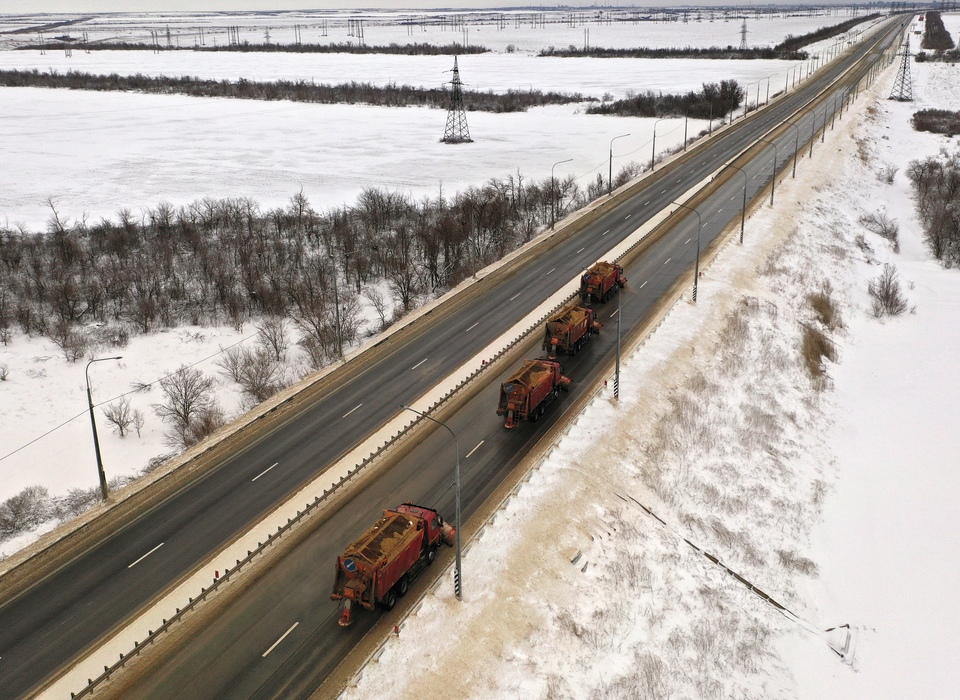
[(600, 281), (525, 394), (569, 330), (397, 546)]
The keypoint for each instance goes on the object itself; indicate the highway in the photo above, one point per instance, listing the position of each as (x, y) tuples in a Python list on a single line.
[(70, 611)]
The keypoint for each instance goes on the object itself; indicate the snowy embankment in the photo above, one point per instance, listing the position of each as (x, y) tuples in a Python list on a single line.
[(830, 494)]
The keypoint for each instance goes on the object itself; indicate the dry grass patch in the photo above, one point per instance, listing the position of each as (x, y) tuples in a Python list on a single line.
[(816, 347)]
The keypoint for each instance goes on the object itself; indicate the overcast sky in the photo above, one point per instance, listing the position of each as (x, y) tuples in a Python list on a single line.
[(33, 6)]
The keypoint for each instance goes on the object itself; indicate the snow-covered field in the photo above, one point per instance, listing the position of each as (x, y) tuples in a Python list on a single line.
[(523, 30), (138, 150), (836, 502)]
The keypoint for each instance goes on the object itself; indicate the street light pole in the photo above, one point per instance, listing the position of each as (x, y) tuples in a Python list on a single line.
[(743, 210), (616, 378), (93, 424), (796, 145), (696, 268), (776, 157), (610, 173), (653, 153), (553, 194), (458, 580)]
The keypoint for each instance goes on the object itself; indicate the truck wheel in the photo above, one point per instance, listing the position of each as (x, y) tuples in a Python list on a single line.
[(431, 555), (403, 585), (389, 600)]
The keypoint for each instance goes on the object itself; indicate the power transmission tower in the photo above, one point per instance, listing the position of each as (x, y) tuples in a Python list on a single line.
[(903, 85), (743, 35), (457, 130)]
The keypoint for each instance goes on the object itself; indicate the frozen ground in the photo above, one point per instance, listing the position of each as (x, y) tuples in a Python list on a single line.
[(524, 30), (138, 150), (836, 502)]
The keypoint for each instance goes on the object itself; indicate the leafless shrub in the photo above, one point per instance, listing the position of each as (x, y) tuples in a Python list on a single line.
[(861, 241), (231, 361), (885, 293), (4, 372), (887, 172), (141, 387), (72, 342), (119, 415), (188, 401), (273, 337), (205, 423), (157, 462), (884, 226), (794, 562), (24, 511), (76, 502), (816, 347), (260, 374)]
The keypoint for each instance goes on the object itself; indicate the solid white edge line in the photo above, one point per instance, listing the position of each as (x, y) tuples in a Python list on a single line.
[(474, 449), (130, 566), (264, 471), (282, 637)]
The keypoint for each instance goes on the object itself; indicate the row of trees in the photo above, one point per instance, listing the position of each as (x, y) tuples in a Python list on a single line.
[(354, 92), (936, 187), (96, 283), (713, 52), (937, 121), (793, 43), (935, 35), (712, 102), (413, 49)]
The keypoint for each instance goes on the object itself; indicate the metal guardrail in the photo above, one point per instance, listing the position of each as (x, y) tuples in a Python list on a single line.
[(153, 635)]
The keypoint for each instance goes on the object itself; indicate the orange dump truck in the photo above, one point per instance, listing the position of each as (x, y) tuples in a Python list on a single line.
[(526, 394), (569, 330), (600, 281), (380, 565)]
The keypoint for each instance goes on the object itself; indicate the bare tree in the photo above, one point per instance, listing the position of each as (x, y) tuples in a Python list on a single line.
[(379, 305), (120, 415), (273, 336), (189, 398), (138, 420)]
